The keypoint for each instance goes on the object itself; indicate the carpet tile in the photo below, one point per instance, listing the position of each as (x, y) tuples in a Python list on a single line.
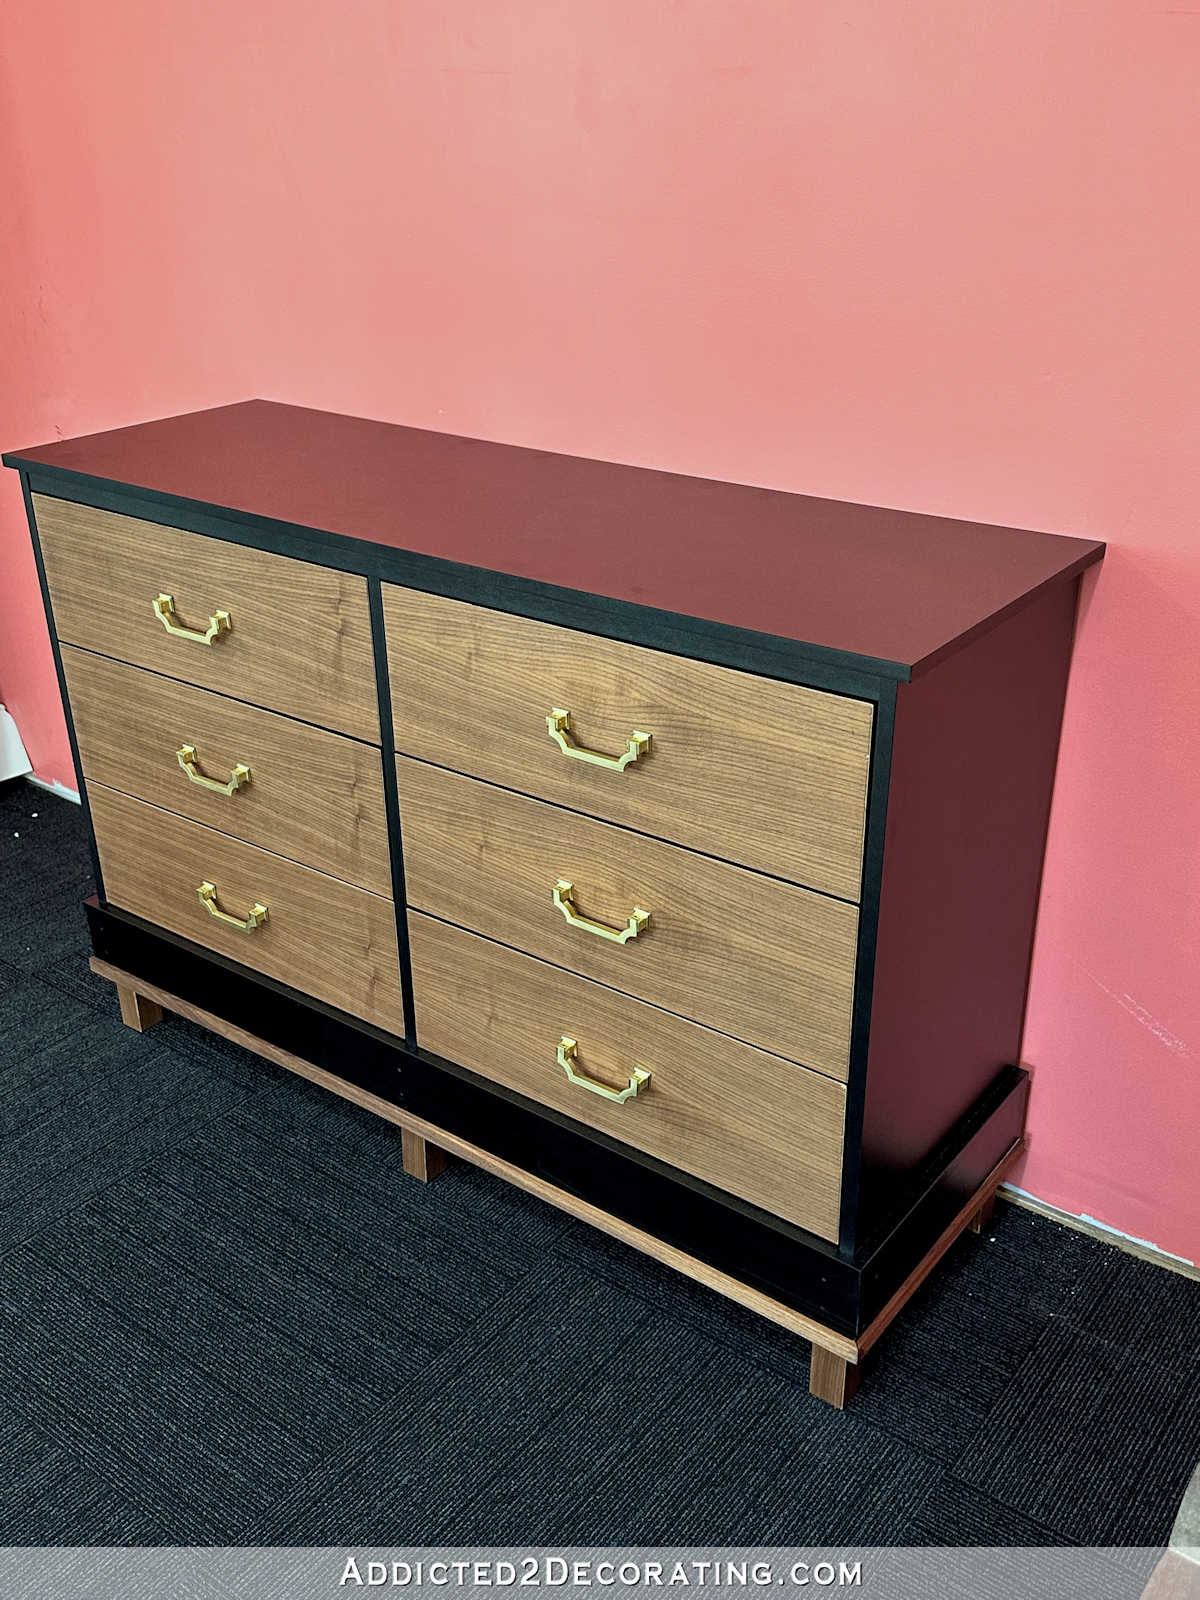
[(228, 1316)]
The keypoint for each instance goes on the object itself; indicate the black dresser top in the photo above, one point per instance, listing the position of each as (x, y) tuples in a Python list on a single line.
[(898, 590)]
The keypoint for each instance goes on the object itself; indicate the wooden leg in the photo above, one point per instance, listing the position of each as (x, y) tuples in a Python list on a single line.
[(983, 1216), (136, 1011), (831, 1378), (421, 1159)]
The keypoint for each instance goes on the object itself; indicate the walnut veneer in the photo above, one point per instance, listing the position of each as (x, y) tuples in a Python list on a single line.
[(669, 848)]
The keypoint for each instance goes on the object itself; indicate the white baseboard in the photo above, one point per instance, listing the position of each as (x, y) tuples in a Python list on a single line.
[(1142, 1248), (59, 789), (14, 763)]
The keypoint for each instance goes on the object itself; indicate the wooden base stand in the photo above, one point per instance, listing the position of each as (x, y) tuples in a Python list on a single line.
[(836, 1357), (831, 1378), (137, 1012), (421, 1159)]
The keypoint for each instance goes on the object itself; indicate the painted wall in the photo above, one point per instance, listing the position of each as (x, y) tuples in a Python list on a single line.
[(940, 255)]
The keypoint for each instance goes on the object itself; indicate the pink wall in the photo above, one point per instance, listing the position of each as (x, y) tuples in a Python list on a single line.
[(939, 255)]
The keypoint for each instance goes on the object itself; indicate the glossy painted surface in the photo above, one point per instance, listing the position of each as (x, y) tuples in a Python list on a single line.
[(887, 585), (927, 255)]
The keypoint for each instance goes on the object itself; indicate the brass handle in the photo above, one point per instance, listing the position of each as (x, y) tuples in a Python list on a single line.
[(164, 609), (558, 725), (568, 1054), (240, 775), (564, 899), (208, 899)]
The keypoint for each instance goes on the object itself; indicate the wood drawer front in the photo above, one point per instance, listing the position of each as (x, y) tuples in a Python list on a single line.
[(768, 962), (767, 774), (747, 1122), (312, 796), (325, 938), (300, 635)]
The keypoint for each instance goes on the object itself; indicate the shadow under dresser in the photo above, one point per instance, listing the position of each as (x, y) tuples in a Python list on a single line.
[(670, 848)]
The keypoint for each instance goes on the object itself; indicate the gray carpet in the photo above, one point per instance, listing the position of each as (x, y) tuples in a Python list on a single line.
[(228, 1317)]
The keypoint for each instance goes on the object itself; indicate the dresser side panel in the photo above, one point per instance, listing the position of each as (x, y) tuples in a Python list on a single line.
[(976, 743)]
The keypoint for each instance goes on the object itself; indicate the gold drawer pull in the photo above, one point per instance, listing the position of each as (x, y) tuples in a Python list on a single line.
[(240, 775), (208, 899), (568, 1054), (558, 725), (564, 899), (219, 623)]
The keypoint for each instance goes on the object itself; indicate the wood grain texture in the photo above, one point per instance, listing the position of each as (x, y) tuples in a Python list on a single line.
[(805, 1327), (323, 937), (300, 640), (884, 584), (763, 1305), (137, 1012), (766, 774), (832, 1378), (313, 796), (748, 1122), (767, 962), (422, 1160)]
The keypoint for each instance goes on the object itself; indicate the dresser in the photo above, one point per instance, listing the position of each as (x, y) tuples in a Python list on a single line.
[(670, 848)]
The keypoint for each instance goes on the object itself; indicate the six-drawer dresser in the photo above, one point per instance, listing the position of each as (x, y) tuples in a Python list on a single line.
[(670, 848)]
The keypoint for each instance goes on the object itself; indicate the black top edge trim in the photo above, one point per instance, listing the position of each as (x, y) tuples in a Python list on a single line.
[(451, 578)]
